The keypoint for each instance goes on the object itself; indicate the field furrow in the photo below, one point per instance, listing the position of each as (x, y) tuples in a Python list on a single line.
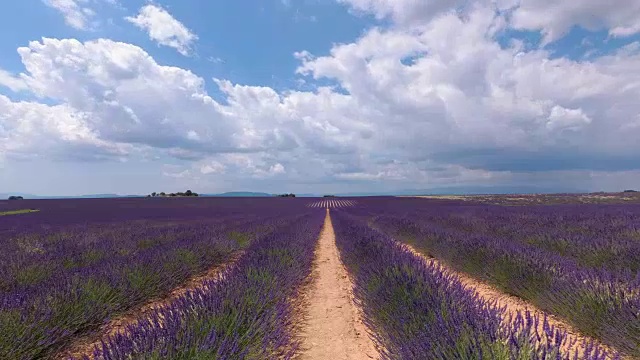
[(333, 327)]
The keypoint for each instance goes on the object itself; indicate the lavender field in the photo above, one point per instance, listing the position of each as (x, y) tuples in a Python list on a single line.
[(74, 268)]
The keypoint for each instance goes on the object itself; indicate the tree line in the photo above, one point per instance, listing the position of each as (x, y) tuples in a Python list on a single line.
[(163, 194)]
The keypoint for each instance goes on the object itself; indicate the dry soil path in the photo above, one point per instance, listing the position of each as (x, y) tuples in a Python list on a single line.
[(84, 345), (333, 327), (514, 305)]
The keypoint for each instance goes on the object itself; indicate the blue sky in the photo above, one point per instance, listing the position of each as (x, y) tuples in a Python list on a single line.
[(107, 96)]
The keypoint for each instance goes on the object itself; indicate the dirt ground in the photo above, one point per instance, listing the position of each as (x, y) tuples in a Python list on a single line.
[(332, 328)]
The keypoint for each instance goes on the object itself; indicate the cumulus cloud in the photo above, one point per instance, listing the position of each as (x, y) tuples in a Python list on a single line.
[(127, 96), (553, 18), (561, 118), (434, 99), (213, 167), (404, 12), (163, 28), (14, 83), (276, 169), (469, 95), (28, 128)]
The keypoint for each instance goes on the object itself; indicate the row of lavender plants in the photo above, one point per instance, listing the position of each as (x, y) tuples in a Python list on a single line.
[(247, 314), (418, 311), (59, 283), (600, 299), (595, 236)]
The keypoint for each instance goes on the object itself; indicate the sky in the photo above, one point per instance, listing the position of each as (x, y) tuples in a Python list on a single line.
[(318, 96)]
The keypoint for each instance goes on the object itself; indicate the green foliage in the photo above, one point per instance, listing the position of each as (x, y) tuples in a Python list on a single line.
[(243, 239), (143, 281), (146, 243), (17, 212), (33, 274), (188, 258)]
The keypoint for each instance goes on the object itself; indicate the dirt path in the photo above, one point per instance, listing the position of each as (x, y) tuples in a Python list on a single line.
[(83, 346), (332, 328), (514, 304)]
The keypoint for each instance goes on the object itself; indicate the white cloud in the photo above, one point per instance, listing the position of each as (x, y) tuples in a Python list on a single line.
[(164, 28), (404, 12), (555, 18), (212, 167), (562, 118), (29, 130), (468, 95), (169, 171), (437, 102), (76, 12), (276, 169), (12, 82), (127, 96)]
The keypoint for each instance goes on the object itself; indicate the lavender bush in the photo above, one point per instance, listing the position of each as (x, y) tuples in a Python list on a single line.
[(245, 315), (420, 312), (71, 267), (578, 262)]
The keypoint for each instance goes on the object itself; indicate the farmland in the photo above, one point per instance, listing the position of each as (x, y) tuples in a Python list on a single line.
[(279, 278)]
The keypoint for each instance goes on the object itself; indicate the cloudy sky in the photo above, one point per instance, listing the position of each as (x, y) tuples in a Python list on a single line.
[(101, 96)]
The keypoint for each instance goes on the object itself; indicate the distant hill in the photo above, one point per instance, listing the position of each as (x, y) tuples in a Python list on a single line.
[(471, 190), (452, 190), (90, 196), (239, 194)]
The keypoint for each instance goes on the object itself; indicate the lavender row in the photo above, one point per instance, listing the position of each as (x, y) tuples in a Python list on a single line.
[(246, 314), (597, 236), (418, 311), (602, 302), (55, 214), (59, 283)]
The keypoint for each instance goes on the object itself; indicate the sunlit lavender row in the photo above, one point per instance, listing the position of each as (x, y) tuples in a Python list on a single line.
[(70, 267), (580, 262), (419, 311)]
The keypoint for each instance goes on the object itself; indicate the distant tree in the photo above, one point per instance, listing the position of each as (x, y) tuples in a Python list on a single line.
[(630, 191), (148, 195), (154, 194), (163, 194), (188, 193), (16, 198)]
